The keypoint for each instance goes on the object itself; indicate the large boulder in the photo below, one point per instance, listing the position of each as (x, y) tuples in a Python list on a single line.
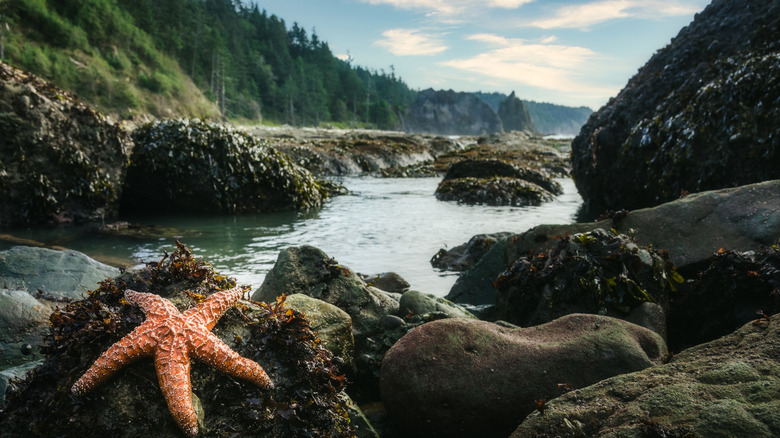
[(61, 160), (465, 378), (450, 112), (492, 191), (198, 167), (514, 115), (308, 396), (700, 115), (726, 388), (491, 168)]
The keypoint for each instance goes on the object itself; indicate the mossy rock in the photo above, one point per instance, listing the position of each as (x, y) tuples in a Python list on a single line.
[(492, 191), (308, 398), (198, 167)]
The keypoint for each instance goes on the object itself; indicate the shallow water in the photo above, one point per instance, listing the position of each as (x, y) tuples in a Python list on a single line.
[(385, 224)]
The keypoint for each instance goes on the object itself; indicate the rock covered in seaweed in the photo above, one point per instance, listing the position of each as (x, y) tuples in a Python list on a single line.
[(194, 166), (467, 378), (60, 160), (594, 272), (308, 398), (700, 115)]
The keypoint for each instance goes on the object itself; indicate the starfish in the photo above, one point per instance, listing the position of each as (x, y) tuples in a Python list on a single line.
[(172, 338)]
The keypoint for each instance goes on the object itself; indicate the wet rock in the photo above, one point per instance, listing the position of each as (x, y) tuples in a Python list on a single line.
[(57, 274), (449, 112), (9, 376), (388, 282), (333, 325), (62, 161), (698, 116), (595, 272), (193, 166), (514, 115), (493, 191), (421, 305), (307, 398), (24, 321), (727, 387), (465, 256), (308, 270), (465, 378)]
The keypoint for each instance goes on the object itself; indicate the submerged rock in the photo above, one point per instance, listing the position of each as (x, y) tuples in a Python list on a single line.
[(308, 396), (700, 115), (725, 388), (466, 378), (61, 160), (193, 166)]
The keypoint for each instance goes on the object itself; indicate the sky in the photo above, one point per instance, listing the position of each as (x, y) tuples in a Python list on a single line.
[(574, 53)]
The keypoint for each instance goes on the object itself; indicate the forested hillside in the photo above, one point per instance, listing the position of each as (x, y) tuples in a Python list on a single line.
[(138, 56), (548, 118)]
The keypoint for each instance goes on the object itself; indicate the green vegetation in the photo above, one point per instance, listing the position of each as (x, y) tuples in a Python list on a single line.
[(195, 58)]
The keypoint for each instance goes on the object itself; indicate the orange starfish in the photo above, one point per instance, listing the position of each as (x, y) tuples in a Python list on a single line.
[(172, 337)]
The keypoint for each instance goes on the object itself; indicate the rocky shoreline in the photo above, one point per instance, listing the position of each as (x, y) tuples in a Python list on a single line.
[(418, 365)]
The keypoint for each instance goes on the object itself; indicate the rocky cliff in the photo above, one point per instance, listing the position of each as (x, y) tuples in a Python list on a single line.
[(449, 112), (701, 114), (514, 115)]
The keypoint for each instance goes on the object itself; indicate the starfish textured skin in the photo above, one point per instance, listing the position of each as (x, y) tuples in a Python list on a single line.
[(172, 338)]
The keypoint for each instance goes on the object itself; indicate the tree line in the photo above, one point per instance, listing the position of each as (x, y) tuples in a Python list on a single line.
[(250, 63)]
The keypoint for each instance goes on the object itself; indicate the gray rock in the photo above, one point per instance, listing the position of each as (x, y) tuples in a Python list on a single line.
[(388, 282), (514, 115), (24, 321), (59, 274), (333, 325), (492, 191), (725, 388), (465, 256), (419, 304), (464, 378)]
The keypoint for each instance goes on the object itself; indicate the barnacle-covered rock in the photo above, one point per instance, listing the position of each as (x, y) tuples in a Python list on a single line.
[(595, 272), (701, 114), (194, 166), (60, 161), (308, 398), (492, 191)]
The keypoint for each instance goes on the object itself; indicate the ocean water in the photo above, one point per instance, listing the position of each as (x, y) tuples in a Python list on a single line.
[(385, 224)]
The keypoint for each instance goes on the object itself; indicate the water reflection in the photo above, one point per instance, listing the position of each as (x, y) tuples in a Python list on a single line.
[(383, 225)]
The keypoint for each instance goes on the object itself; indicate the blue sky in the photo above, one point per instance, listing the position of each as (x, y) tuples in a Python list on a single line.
[(559, 51)]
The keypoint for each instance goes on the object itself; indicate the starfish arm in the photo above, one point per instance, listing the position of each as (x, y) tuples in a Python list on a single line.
[(154, 306), (173, 373), (207, 348), (135, 345), (208, 312)]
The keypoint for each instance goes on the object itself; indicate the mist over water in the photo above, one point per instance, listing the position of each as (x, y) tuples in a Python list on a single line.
[(383, 225)]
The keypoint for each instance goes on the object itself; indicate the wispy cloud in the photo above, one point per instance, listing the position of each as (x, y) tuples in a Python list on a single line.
[(411, 42), (450, 7), (540, 64), (586, 15)]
